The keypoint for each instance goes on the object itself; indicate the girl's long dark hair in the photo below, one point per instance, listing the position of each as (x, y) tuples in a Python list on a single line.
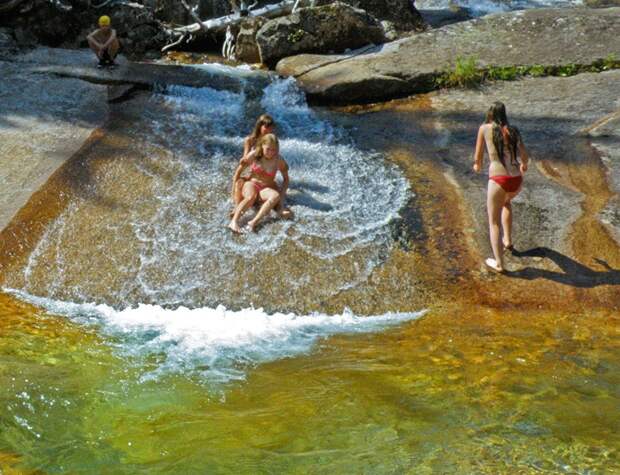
[(504, 135), (264, 119)]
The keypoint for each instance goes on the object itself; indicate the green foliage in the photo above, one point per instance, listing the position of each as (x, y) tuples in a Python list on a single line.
[(507, 73), (611, 62), (295, 36), (538, 70), (568, 70), (466, 74)]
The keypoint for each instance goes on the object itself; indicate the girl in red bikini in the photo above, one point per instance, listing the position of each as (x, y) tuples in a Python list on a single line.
[(264, 162), (264, 125), (504, 146)]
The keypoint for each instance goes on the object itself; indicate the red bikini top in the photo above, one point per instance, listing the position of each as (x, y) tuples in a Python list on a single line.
[(256, 168)]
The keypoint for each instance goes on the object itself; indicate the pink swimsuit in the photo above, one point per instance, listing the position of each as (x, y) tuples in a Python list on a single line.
[(256, 168)]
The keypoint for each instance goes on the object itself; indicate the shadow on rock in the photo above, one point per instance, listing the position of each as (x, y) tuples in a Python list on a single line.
[(307, 201), (573, 273)]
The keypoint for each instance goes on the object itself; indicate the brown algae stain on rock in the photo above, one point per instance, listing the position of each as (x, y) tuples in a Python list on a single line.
[(21, 235), (449, 241)]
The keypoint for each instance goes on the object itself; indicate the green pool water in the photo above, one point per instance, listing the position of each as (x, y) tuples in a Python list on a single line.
[(474, 391)]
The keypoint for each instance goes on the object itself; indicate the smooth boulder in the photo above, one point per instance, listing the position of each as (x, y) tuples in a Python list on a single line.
[(400, 15), (330, 28), (549, 37), (246, 48)]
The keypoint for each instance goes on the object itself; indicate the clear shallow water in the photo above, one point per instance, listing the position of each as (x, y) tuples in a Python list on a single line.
[(214, 344), (476, 392), (111, 388)]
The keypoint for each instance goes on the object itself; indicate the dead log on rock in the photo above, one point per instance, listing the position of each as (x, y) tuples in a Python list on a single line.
[(189, 33)]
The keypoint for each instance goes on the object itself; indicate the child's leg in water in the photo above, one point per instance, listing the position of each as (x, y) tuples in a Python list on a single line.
[(270, 199), (237, 194), (283, 211), (249, 196)]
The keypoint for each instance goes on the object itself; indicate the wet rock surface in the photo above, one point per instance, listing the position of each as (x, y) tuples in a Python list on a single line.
[(43, 121), (565, 234), (602, 3), (566, 226), (447, 16), (550, 37), (81, 64)]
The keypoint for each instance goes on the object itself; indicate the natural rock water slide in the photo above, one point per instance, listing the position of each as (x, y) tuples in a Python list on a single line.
[(517, 383), (138, 206), (573, 143), (566, 221)]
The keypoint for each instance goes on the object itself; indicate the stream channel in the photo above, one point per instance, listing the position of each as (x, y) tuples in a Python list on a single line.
[(141, 336)]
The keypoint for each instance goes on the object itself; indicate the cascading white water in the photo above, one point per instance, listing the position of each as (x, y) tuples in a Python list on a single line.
[(163, 239), (216, 344), (145, 237), (483, 7)]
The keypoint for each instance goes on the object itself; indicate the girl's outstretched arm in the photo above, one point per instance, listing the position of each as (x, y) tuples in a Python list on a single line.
[(244, 162), (479, 152), (283, 167), (525, 158), (247, 146)]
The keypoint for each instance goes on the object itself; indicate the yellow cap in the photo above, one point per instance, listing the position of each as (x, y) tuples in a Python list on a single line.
[(104, 20)]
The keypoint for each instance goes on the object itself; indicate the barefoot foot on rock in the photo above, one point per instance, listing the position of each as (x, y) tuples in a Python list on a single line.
[(234, 227), (492, 264), (286, 214)]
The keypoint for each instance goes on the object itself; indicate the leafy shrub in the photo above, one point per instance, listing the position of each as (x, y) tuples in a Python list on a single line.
[(464, 74), (537, 71), (296, 36), (610, 62)]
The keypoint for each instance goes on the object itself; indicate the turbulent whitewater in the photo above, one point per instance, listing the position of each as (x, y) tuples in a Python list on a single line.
[(149, 227)]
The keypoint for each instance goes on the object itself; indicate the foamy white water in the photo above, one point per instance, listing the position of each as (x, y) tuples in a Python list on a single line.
[(166, 242), (217, 344), (483, 7)]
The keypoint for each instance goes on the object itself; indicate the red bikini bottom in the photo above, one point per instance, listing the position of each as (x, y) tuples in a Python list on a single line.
[(260, 187), (510, 184)]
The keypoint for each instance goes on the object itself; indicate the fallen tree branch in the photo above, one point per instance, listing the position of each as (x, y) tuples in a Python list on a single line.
[(219, 24), (101, 5), (175, 43), (191, 11), (229, 46)]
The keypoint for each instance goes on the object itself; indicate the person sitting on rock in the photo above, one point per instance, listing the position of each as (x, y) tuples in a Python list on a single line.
[(264, 162), (104, 43), (264, 125), (504, 145)]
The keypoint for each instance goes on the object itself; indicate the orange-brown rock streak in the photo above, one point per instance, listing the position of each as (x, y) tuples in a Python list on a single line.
[(26, 228)]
